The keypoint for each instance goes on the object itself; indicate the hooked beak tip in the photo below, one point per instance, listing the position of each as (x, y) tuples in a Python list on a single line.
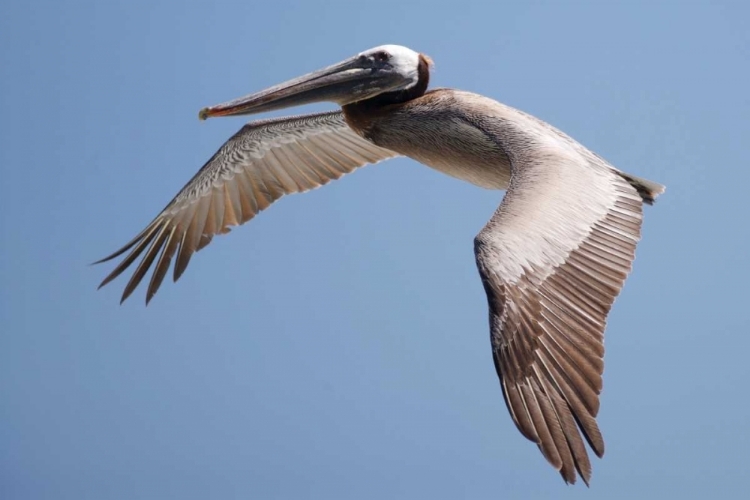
[(219, 110)]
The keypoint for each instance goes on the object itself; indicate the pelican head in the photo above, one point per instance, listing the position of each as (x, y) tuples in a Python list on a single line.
[(387, 68)]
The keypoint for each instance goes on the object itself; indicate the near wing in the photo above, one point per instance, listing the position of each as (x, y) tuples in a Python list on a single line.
[(259, 164), (552, 260)]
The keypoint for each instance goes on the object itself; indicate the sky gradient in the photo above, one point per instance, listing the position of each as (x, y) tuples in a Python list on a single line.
[(337, 345)]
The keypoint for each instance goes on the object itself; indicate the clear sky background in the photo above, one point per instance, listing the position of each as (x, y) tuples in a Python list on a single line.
[(337, 346)]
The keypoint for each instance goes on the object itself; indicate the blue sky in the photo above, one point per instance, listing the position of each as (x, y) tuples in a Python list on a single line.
[(337, 346)]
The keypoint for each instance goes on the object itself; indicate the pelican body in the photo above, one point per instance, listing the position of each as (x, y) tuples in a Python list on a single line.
[(552, 258)]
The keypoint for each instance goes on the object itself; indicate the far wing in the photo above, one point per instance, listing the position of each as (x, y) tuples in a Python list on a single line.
[(262, 162)]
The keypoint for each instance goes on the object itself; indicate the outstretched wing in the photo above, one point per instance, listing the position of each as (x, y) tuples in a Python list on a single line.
[(552, 260), (258, 165)]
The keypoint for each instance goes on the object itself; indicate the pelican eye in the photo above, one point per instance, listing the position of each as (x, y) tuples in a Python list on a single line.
[(381, 56)]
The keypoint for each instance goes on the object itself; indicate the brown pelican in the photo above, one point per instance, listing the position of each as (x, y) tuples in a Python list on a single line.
[(552, 258)]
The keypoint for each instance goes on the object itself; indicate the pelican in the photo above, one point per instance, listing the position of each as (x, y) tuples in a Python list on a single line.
[(552, 258)]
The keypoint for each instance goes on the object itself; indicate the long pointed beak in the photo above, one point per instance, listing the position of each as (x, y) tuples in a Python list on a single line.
[(347, 81)]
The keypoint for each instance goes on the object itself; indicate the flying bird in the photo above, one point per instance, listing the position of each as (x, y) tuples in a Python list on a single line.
[(552, 258)]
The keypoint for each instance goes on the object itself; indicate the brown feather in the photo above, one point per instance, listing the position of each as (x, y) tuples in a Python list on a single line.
[(162, 265), (146, 262), (232, 207)]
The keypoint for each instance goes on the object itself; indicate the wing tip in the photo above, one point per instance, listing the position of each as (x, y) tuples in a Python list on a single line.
[(648, 190)]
